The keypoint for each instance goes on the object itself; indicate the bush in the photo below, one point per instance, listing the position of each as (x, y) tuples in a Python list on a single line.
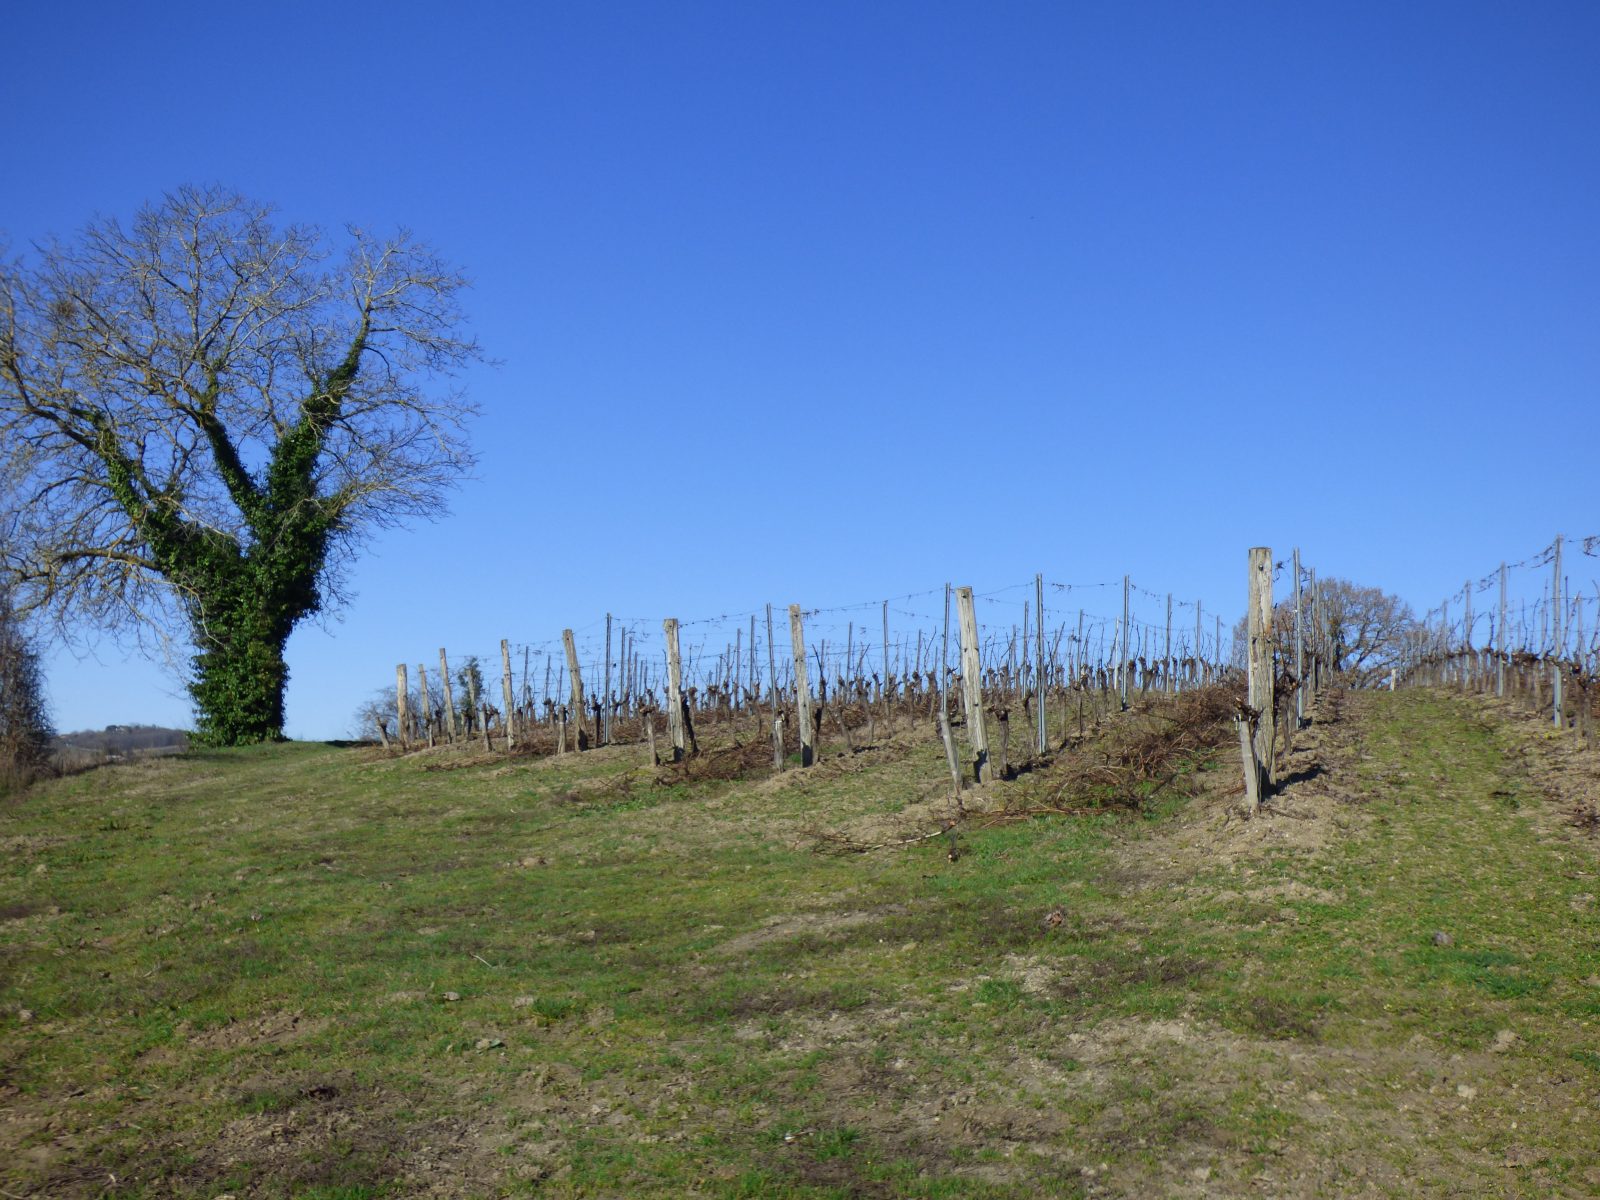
[(25, 729)]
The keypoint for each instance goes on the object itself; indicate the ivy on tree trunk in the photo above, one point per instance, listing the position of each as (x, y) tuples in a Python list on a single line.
[(198, 413)]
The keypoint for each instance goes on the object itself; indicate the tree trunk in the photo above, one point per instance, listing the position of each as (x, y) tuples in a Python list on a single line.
[(240, 677)]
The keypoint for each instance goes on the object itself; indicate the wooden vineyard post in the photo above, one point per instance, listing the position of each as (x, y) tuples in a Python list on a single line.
[(427, 703), (647, 714), (449, 696), (1252, 765), (1319, 642), (972, 685), (941, 691), (888, 725), (506, 694), (1500, 633), (1442, 653), (1558, 636), (605, 725), (1299, 650), (802, 689), (1167, 656), (772, 663), (576, 675), (402, 706), (1198, 614), (751, 690), (1038, 665), (1002, 716), (1127, 640), (1260, 696), (1470, 680), (1082, 660), (674, 689)]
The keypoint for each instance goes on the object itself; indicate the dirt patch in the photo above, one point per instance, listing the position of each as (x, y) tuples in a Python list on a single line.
[(279, 1136), (279, 1028), (836, 1030), (1316, 804), (778, 929), (27, 845), (836, 764), (1293, 889), (1075, 978), (1314, 1135)]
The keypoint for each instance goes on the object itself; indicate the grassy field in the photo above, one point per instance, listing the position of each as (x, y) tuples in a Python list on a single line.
[(319, 972)]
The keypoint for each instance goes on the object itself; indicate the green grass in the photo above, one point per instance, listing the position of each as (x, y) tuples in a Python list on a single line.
[(282, 972)]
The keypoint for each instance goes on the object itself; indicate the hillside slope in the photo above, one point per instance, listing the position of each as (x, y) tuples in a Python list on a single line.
[(318, 972)]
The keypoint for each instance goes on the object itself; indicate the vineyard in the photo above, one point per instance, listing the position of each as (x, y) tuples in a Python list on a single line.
[(1017, 667), (887, 921)]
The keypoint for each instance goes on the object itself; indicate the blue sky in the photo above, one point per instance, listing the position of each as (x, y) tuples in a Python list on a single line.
[(830, 303)]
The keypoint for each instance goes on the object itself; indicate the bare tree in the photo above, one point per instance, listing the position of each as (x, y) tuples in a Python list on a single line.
[(204, 415), (1369, 630)]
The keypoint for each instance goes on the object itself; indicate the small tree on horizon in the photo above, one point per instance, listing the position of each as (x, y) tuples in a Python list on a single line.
[(1370, 631)]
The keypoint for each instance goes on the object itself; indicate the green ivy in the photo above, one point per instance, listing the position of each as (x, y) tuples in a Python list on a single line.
[(244, 595)]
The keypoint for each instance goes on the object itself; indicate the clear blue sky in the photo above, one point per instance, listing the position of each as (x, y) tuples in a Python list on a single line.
[(828, 303)]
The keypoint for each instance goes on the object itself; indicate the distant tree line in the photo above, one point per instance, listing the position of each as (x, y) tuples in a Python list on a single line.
[(125, 739)]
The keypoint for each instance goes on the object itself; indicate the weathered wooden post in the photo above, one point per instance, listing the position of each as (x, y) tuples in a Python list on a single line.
[(575, 673), (972, 686), (1500, 634), (1198, 656), (449, 696), (752, 689), (605, 727), (507, 714), (647, 714), (674, 690), (1166, 657), (1299, 650), (1260, 663), (1126, 641), (802, 688), (427, 703), (1002, 716), (1558, 638), (942, 693), (772, 663), (402, 706), (1038, 664), (883, 686), (1320, 652), (1252, 765)]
